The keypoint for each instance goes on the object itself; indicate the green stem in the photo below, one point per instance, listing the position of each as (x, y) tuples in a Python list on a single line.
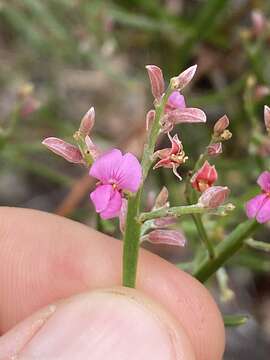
[(235, 320), (131, 242), (182, 210), (203, 234), (133, 226), (226, 249)]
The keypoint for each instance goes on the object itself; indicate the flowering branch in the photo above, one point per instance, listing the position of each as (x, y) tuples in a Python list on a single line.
[(133, 227)]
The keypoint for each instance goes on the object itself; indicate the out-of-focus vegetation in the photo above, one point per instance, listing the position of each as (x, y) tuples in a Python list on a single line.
[(59, 57)]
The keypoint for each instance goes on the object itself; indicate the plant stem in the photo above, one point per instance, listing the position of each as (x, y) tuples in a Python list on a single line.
[(235, 320), (203, 234), (133, 226), (226, 249), (131, 242), (182, 210)]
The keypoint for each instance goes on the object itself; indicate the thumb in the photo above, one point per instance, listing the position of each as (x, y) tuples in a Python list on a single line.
[(110, 324)]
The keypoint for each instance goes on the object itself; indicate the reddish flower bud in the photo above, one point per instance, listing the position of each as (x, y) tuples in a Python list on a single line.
[(267, 117), (67, 151), (87, 122), (221, 125), (214, 196), (168, 237), (214, 149), (156, 79), (204, 177), (180, 81), (162, 198)]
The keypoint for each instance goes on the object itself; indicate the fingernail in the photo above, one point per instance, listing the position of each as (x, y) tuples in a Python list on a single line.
[(107, 325)]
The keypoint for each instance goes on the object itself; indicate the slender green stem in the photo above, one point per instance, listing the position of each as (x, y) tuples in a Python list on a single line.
[(235, 320), (133, 226), (131, 242), (203, 234), (182, 210), (258, 245), (225, 250), (190, 199)]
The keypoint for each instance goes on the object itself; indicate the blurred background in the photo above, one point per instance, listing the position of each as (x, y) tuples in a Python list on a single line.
[(59, 57)]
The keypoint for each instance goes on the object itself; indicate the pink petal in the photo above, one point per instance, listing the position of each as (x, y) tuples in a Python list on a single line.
[(254, 205), (168, 237), (114, 206), (156, 79), (264, 181), (67, 151), (104, 167), (180, 81), (263, 214), (101, 197), (129, 173), (176, 100), (87, 122), (188, 115)]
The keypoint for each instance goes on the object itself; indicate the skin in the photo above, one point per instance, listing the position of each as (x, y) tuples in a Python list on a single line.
[(73, 274)]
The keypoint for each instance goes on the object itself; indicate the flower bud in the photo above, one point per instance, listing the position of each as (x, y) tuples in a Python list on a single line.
[(267, 117), (180, 81), (162, 198), (204, 177), (214, 196), (156, 79), (87, 122), (67, 151), (221, 125), (168, 237), (214, 149)]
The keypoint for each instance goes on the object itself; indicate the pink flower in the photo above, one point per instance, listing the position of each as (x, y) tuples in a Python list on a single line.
[(176, 112), (204, 178), (259, 207), (116, 173), (171, 157)]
